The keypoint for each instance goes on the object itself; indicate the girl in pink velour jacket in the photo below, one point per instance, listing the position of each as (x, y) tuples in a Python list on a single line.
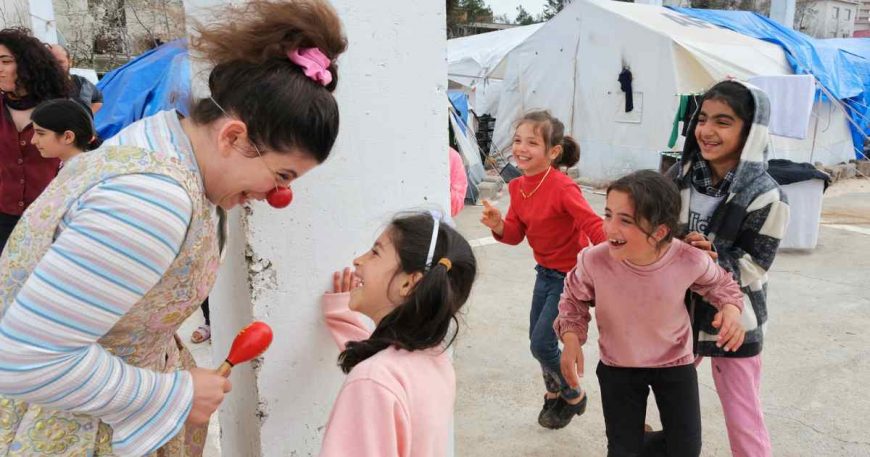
[(400, 389)]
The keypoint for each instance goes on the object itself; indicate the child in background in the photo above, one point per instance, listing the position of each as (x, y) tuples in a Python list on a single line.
[(399, 394), (62, 129), (637, 282), (548, 208), (458, 182), (732, 208)]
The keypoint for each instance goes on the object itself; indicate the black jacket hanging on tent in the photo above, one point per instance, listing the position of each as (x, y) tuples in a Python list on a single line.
[(691, 107), (625, 84)]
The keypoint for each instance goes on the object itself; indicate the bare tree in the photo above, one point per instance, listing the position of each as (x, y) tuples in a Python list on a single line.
[(14, 13), (805, 12), (105, 33)]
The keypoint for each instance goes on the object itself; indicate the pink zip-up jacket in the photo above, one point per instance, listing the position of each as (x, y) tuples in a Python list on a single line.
[(642, 318), (458, 183), (396, 403)]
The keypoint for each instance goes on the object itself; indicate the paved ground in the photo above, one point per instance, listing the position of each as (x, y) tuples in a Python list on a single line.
[(817, 357), (202, 354), (817, 360)]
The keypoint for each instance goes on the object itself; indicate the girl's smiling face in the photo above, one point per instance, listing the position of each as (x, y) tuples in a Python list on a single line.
[(719, 133), (530, 150), (381, 284), (627, 236)]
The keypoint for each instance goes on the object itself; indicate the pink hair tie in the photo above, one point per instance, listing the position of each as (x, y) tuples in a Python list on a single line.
[(314, 64)]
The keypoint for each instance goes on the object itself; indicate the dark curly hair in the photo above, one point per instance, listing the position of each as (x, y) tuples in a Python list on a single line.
[(38, 72)]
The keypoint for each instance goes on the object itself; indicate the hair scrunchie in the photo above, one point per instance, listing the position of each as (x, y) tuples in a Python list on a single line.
[(314, 64)]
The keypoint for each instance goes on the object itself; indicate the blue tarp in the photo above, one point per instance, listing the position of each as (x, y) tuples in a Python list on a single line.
[(844, 73), (155, 81), (459, 99)]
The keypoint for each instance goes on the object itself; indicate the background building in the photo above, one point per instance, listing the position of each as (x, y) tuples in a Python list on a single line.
[(827, 18)]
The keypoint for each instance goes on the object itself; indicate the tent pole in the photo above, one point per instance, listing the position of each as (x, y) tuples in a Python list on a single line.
[(816, 128)]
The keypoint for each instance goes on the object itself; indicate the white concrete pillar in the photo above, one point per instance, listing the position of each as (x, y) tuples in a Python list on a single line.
[(43, 24), (782, 11), (391, 155)]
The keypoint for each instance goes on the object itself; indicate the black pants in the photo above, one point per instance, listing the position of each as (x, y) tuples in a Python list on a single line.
[(624, 393), (205, 312), (7, 223)]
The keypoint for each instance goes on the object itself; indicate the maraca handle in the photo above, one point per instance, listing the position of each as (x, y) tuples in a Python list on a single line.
[(225, 369)]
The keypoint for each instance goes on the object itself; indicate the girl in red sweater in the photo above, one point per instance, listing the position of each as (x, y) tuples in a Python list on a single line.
[(549, 210)]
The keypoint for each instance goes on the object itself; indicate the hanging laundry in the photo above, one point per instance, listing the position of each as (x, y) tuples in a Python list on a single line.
[(681, 113), (625, 79), (791, 102), (692, 106)]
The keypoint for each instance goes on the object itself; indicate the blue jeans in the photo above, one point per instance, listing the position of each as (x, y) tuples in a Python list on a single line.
[(544, 343)]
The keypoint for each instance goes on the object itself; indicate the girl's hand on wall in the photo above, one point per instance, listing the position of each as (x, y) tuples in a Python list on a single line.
[(209, 389), (731, 332), (572, 360), (491, 218), (700, 241), (344, 281)]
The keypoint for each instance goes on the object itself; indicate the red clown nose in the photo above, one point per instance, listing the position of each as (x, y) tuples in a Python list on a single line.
[(252, 341), (280, 197)]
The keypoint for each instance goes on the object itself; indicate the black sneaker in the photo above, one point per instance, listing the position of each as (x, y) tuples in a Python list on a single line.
[(562, 412), (548, 404)]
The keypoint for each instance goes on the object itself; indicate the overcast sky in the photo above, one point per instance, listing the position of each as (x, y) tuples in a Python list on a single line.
[(509, 7)]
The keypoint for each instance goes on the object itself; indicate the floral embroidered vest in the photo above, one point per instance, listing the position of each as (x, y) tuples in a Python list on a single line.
[(145, 336)]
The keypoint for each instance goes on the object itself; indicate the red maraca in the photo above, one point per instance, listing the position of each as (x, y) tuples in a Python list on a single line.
[(251, 341), (279, 197)]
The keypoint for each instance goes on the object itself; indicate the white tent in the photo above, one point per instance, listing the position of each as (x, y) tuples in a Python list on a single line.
[(477, 63), (571, 65), (467, 147)]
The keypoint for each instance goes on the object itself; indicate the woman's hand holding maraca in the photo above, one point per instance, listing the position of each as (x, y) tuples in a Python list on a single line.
[(491, 218), (209, 389)]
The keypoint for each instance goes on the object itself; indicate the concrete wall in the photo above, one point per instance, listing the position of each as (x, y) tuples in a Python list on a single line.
[(391, 155), (36, 15), (42, 21)]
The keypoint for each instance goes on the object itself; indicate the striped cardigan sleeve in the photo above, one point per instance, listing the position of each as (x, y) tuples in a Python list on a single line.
[(112, 247), (752, 254)]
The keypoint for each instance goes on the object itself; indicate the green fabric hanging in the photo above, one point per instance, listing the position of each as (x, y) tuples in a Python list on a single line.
[(681, 113)]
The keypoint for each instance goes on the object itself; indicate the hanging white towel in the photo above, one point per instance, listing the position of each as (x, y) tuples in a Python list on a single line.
[(791, 102)]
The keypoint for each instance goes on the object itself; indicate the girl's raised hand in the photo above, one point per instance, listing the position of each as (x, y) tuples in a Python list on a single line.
[(491, 218), (731, 332), (344, 281), (572, 360)]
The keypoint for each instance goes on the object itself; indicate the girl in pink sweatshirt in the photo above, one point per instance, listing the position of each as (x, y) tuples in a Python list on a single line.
[(637, 281), (398, 398)]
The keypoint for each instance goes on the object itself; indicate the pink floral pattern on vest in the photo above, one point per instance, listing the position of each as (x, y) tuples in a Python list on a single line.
[(145, 336)]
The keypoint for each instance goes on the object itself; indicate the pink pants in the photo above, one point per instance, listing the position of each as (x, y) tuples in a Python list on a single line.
[(738, 382)]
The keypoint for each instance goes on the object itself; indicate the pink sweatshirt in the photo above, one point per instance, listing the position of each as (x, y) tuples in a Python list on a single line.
[(458, 182), (642, 318), (394, 404)]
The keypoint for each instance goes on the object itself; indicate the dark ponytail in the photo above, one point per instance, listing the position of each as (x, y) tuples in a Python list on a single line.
[(423, 321), (61, 115), (553, 131), (570, 153)]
